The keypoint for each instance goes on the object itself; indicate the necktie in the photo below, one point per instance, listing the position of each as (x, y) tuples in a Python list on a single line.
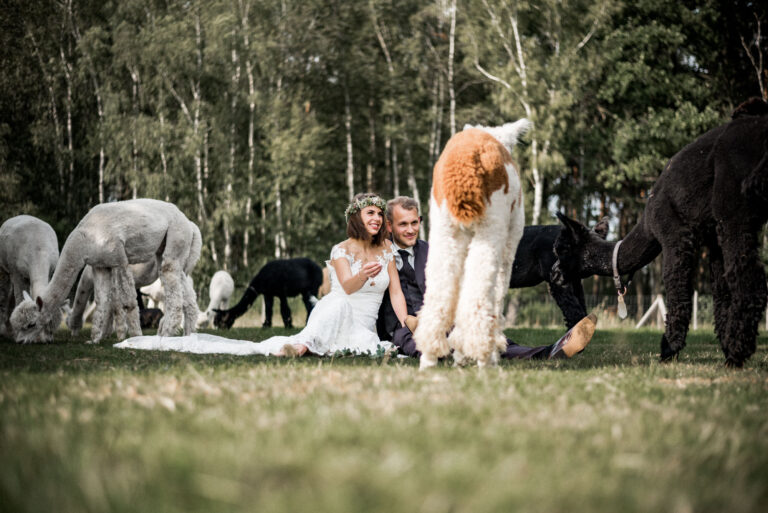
[(404, 255)]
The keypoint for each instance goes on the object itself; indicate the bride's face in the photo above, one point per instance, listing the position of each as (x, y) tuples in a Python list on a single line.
[(373, 219)]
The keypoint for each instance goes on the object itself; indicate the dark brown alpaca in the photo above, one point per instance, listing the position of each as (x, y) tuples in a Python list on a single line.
[(713, 193)]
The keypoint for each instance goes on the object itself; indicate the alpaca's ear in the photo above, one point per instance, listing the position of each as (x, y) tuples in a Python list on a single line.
[(577, 231), (39, 302), (26, 295), (601, 228)]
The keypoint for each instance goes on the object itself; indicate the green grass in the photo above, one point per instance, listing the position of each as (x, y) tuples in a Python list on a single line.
[(96, 429)]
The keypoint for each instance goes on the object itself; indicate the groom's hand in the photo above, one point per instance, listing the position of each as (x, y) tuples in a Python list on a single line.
[(371, 269)]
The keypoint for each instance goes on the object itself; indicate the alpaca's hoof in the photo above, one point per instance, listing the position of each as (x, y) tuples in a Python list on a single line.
[(732, 363), (427, 361)]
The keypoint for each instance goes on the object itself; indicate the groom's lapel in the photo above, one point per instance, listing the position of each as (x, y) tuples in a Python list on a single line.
[(420, 262)]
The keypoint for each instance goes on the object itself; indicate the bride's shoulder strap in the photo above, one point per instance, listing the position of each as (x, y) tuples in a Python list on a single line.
[(339, 251)]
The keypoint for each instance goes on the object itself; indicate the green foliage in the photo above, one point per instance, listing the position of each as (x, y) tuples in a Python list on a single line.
[(223, 107)]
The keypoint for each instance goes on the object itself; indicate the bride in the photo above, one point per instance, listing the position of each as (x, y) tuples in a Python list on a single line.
[(361, 269)]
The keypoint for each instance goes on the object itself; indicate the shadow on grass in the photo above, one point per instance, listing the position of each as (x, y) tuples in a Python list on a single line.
[(608, 348)]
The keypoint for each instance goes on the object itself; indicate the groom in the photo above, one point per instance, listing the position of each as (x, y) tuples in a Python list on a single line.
[(403, 222)]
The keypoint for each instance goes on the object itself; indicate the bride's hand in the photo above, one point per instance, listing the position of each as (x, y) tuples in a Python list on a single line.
[(371, 269)]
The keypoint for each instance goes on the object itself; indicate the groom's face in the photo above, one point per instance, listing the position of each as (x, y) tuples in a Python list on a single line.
[(404, 226)]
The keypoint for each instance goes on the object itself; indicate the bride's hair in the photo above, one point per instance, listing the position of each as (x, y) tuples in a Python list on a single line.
[(356, 228)]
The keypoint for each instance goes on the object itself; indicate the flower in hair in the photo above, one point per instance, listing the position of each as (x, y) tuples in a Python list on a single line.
[(358, 205)]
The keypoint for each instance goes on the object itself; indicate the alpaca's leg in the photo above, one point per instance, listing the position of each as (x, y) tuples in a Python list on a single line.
[(84, 289), (268, 304), (679, 259), (515, 225), (745, 277), (101, 315), (190, 307), (567, 300), (721, 295), (178, 243), (307, 303), (285, 312), (128, 303), (118, 313), (172, 279), (477, 326), (447, 250)]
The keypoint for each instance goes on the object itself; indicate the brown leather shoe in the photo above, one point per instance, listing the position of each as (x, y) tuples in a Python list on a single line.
[(411, 322), (576, 339)]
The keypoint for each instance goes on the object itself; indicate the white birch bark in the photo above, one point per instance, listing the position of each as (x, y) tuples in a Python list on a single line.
[(451, 50), (350, 155), (97, 93), (244, 8)]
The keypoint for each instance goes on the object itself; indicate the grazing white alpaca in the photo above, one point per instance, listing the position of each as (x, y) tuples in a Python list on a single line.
[(476, 222), (109, 238), (28, 254), (221, 289), (143, 274)]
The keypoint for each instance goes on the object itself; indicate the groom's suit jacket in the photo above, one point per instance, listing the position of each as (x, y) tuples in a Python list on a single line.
[(413, 285)]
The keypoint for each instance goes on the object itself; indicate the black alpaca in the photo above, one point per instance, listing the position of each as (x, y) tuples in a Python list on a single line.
[(535, 263), (713, 193), (281, 279), (148, 317)]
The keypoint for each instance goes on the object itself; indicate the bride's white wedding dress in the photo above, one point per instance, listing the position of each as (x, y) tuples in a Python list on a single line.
[(339, 322)]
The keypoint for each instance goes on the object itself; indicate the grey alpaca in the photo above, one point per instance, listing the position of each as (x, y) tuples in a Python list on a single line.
[(712, 193)]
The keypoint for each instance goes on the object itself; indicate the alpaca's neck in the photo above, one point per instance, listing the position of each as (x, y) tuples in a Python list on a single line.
[(245, 302), (70, 262), (637, 250), (38, 277)]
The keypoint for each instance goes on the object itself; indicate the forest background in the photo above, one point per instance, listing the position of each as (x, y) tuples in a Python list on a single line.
[(260, 118)]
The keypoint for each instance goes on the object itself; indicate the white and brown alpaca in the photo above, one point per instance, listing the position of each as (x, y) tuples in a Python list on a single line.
[(29, 250), (220, 290), (109, 238), (476, 221)]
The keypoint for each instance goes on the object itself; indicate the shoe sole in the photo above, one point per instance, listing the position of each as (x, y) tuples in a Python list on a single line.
[(581, 335)]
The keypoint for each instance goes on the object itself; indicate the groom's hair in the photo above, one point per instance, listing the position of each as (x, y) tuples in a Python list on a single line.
[(404, 202)]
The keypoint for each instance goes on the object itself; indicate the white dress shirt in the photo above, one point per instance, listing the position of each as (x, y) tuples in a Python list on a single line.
[(399, 259)]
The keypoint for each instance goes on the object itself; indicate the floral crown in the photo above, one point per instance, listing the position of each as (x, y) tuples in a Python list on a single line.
[(358, 205)]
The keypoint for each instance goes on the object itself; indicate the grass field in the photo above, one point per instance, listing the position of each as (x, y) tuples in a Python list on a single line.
[(96, 429)]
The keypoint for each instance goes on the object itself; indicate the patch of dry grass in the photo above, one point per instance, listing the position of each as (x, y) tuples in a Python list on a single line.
[(93, 428)]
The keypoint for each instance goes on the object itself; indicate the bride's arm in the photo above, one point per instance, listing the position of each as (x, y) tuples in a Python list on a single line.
[(396, 296), (352, 283)]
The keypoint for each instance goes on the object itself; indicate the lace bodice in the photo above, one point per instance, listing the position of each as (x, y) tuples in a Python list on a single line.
[(367, 299)]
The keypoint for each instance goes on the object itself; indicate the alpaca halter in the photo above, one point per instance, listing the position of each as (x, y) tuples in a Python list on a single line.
[(371, 201), (622, 307), (615, 265)]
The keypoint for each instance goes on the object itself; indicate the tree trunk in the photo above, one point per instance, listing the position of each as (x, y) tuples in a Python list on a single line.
[(451, 86), (350, 156), (244, 7)]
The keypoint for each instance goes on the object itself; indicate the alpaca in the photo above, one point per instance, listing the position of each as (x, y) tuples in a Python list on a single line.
[(148, 317), (282, 279), (535, 263), (29, 251), (477, 220), (712, 193), (221, 289), (109, 238), (143, 273), (154, 292)]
